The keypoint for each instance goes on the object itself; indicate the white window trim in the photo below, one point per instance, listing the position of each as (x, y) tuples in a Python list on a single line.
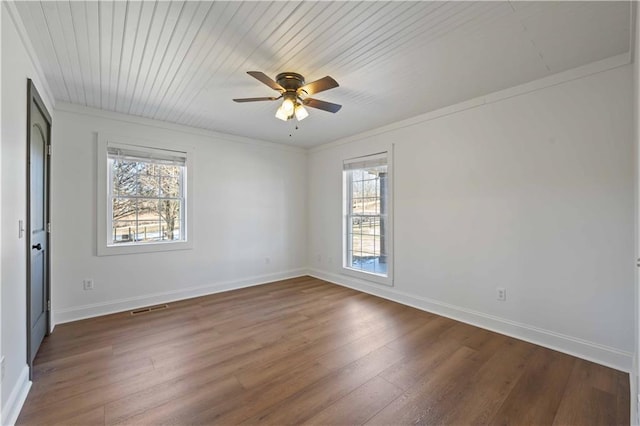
[(356, 273), (103, 203)]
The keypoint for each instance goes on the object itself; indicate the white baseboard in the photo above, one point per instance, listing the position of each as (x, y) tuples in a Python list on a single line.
[(601, 354), (75, 313), (17, 397)]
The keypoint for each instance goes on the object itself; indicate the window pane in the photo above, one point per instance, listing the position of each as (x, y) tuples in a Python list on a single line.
[(358, 206), (148, 181), (169, 170), (376, 244), (170, 186), (124, 209), (357, 189), (170, 213), (146, 220), (356, 243), (149, 223), (125, 177), (356, 224), (370, 205), (124, 231), (367, 245)]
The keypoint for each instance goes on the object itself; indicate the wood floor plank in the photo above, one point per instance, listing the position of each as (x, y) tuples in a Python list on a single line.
[(358, 406), (260, 398), (93, 355), (319, 395), (109, 392), (84, 379), (422, 336), (585, 402), (359, 347), (92, 417), (485, 391), (535, 398), (174, 411), (420, 404), (410, 372), (303, 350), (142, 405), (622, 398)]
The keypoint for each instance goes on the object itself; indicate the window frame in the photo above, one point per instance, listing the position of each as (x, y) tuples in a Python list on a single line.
[(104, 205), (347, 199)]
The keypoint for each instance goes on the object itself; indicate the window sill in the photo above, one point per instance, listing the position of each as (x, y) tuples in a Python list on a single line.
[(143, 248), (369, 276)]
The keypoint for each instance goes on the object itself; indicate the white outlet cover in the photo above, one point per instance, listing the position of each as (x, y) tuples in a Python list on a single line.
[(501, 294)]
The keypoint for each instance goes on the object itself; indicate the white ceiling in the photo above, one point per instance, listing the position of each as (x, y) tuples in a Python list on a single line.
[(183, 62)]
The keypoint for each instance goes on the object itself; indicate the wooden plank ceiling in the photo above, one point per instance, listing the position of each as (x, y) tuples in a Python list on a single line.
[(183, 62)]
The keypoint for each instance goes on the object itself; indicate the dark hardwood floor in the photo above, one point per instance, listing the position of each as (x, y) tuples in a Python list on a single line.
[(303, 351)]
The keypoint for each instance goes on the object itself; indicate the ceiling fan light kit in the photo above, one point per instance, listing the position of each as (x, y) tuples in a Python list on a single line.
[(301, 113), (295, 94)]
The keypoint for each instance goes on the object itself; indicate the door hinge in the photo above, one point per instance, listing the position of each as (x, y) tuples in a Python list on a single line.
[(49, 149), (48, 305), (49, 227)]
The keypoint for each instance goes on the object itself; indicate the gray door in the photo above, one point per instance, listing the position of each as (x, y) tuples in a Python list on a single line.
[(39, 131)]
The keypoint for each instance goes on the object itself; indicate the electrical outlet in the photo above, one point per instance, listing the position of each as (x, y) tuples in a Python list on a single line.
[(87, 284), (501, 294), (2, 363)]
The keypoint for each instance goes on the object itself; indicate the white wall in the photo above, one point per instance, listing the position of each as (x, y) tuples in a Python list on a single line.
[(16, 68), (533, 193), (249, 205)]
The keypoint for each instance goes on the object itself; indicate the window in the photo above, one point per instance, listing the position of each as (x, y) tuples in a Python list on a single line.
[(367, 220), (146, 196), (145, 204)]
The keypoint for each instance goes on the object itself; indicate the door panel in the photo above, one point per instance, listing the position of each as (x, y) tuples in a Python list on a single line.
[(38, 144), (38, 231), (38, 244)]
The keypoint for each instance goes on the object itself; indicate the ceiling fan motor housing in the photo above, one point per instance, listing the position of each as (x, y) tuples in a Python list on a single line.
[(290, 81)]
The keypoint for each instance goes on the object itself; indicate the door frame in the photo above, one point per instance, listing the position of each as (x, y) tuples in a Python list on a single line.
[(34, 97)]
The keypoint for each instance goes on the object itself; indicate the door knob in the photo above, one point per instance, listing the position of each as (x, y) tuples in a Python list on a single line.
[(37, 246)]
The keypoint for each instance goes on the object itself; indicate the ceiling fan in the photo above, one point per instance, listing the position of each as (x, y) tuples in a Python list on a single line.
[(295, 94)]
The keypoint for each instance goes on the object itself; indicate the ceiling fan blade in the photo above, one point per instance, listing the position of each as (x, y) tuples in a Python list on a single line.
[(318, 86), (270, 98), (323, 105), (266, 80)]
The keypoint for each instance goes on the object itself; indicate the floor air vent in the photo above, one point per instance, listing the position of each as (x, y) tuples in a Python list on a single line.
[(149, 309)]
